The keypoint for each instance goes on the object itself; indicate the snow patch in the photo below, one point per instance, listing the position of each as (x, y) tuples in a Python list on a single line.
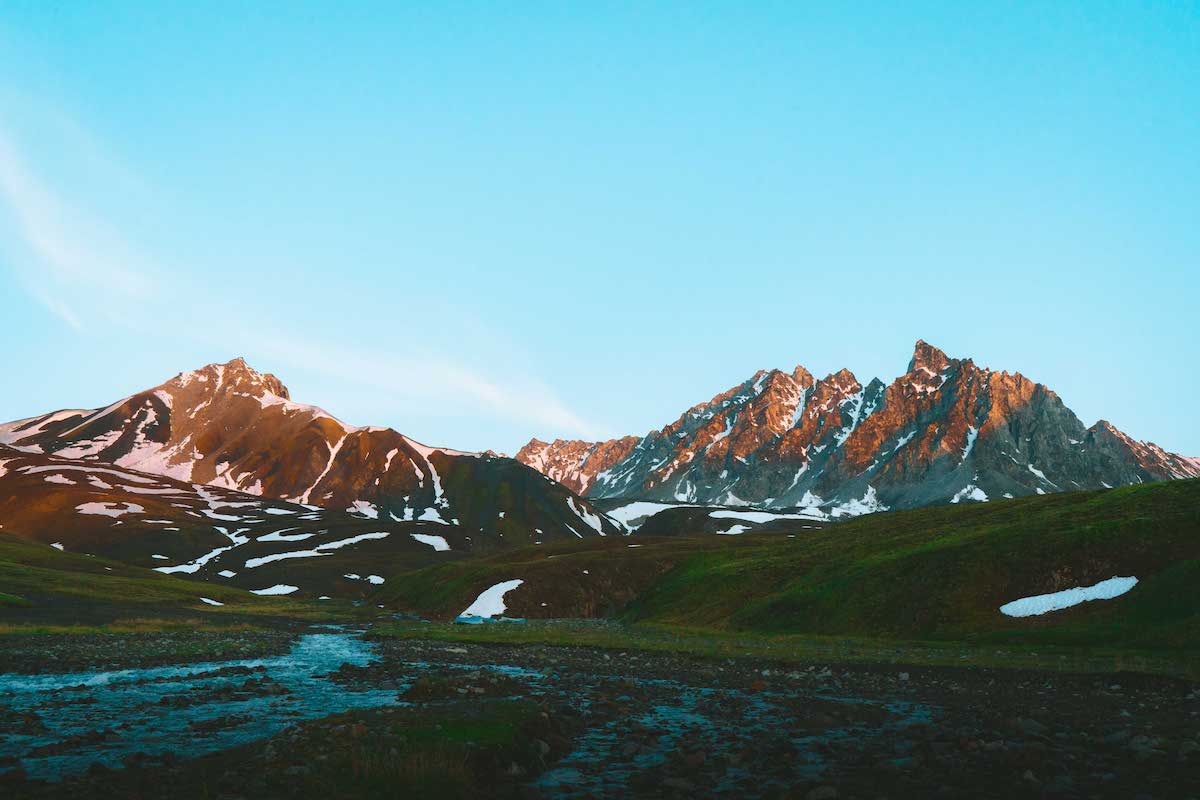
[(436, 542), (1055, 601), (109, 509), (490, 602), (626, 514), (969, 492), (364, 509), (279, 588)]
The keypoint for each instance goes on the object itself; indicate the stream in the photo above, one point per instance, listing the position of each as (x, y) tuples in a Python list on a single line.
[(184, 711), (57, 725)]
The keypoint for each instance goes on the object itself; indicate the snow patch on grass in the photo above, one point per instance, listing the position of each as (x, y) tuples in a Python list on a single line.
[(279, 588), (436, 542), (1056, 601), (490, 602)]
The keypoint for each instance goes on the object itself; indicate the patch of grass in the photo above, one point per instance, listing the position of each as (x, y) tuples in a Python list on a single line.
[(13, 601), (805, 649), (443, 752), (34, 569), (139, 625)]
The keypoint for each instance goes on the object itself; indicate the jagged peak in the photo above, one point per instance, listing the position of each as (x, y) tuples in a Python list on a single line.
[(844, 380), (928, 358), (803, 378)]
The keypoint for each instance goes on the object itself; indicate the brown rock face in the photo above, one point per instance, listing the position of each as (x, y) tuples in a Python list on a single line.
[(573, 463), (227, 425), (945, 431)]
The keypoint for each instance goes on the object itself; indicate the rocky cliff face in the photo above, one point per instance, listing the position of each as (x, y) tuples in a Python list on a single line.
[(227, 425), (945, 431)]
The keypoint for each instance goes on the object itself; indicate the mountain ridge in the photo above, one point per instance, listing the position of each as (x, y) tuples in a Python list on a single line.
[(945, 431), (229, 426)]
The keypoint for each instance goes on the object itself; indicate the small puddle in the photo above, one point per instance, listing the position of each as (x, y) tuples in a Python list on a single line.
[(186, 710)]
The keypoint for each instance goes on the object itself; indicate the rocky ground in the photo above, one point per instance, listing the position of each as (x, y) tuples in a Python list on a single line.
[(535, 721), (51, 653)]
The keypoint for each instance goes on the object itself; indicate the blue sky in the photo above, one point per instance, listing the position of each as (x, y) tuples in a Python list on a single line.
[(483, 222)]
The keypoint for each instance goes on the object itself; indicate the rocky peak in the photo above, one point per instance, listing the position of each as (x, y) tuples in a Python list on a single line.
[(234, 375), (839, 385), (803, 378), (928, 358)]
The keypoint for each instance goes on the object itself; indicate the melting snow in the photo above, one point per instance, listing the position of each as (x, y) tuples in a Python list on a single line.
[(588, 517), (333, 451), (491, 601), (627, 513), (90, 470), (320, 550), (279, 588), (1041, 475), (765, 516), (436, 542), (109, 509), (970, 492), (1043, 603), (432, 515), (57, 479), (281, 536), (869, 504), (364, 509), (211, 602), (972, 434)]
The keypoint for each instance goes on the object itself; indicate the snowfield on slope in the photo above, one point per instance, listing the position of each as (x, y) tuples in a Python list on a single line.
[(490, 602), (1056, 601)]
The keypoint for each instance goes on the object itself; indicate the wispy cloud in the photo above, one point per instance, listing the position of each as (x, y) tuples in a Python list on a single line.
[(89, 274), (418, 373), (68, 254)]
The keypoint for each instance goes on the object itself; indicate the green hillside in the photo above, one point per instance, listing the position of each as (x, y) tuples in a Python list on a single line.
[(937, 573), (39, 583)]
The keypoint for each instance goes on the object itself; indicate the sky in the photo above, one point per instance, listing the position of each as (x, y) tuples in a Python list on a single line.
[(483, 222)]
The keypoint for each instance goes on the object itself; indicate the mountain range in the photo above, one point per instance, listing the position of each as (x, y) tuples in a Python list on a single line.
[(218, 468), (946, 431), (217, 474)]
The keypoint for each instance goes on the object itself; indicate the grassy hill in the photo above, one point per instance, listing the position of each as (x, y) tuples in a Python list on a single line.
[(41, 586), (936, 573)]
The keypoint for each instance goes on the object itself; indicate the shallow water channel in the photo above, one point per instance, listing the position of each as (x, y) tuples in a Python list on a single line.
[(186, 710)]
